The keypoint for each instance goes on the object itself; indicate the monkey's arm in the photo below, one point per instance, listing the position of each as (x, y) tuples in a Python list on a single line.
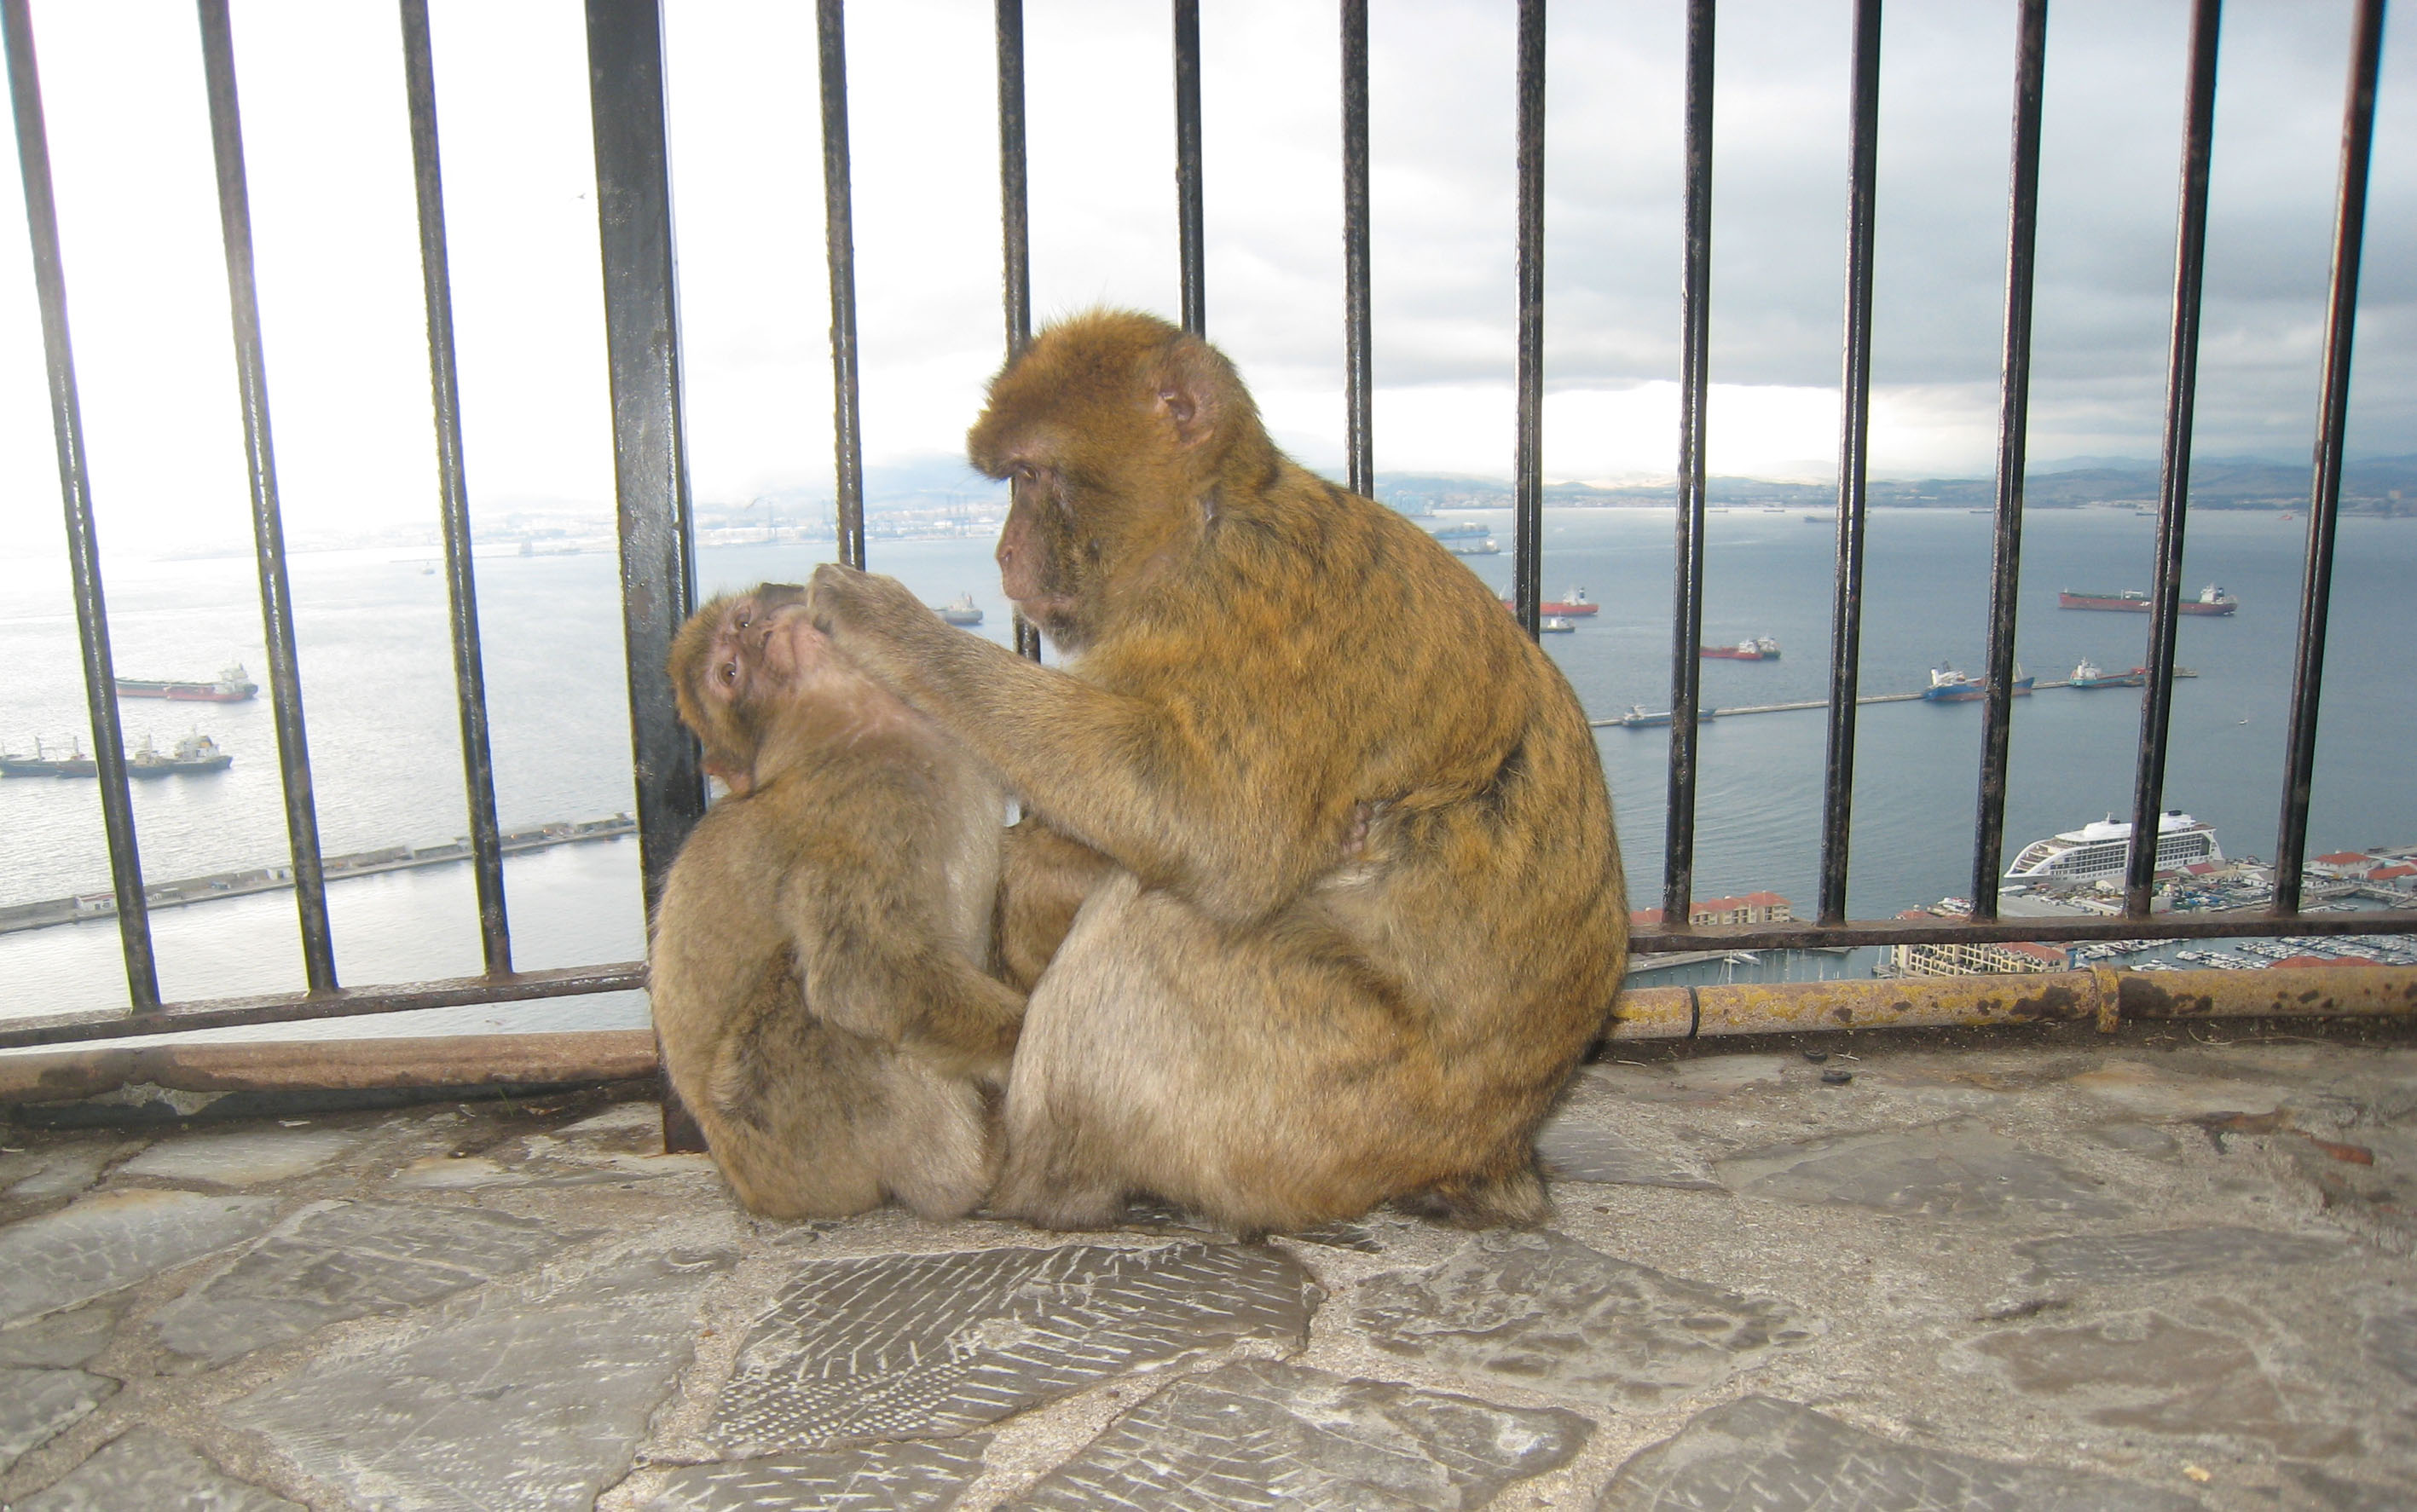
[(874, 962), (1201, 799)]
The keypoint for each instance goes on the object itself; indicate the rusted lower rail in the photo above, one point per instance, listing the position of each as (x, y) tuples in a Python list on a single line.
[(2105, 997)]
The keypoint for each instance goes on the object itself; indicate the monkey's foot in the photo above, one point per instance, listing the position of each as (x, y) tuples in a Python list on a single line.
[(1515, 1201)]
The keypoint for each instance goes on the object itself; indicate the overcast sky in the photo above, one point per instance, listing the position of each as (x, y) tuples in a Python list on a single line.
[(329, 164)]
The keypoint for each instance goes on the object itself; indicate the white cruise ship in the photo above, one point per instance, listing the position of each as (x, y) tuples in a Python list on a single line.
[(2101, 849)]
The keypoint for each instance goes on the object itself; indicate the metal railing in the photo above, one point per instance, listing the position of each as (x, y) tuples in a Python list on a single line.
[(626, 63)]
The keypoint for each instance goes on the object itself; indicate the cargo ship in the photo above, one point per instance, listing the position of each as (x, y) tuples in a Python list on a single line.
[(1756, 649), (193, 753), (1948, 686), (961, 611), (2090, 675), (2102, 850), (2211, 599), (1572, 606), (233, 686), (41, 763)]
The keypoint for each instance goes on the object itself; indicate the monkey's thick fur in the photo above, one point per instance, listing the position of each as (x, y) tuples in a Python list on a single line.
[(1361, 910), (817, 949)]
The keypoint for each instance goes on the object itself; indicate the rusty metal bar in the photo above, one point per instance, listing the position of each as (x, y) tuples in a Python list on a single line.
[(344, 1002), (2103, 997), (267, 517), (2333, 416), (1694, 350), (1662, 940), (75, 490), (2173, 487), (454, 488), (1527, 462), (2014, 428), (320, 1064), (838, 245), (1190, 217), (1854, 459), (1360, 447)]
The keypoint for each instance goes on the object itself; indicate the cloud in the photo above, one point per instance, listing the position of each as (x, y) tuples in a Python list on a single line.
[(347, 364)]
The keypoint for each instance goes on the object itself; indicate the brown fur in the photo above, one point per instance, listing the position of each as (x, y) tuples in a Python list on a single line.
[(1366, 909), (817, 949)]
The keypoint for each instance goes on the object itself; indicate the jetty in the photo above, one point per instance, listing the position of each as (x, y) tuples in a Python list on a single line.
[(1725, 710), (217, 884)]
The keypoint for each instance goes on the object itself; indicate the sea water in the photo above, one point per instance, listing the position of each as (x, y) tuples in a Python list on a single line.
[(378, 683)]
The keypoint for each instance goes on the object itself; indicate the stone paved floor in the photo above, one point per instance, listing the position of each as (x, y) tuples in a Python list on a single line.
[(2158, 1273)]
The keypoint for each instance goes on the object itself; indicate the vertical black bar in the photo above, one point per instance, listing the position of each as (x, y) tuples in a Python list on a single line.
[(2013, 420), (268, 519), (839, 243), (1015, 221), (461, 583), (634, 212), (2332, 414), (1854, 460), (2173, 486), (1527, 467), (1360, 445), (75, 489), (633, 218), (1187, 163), (1687, 606)]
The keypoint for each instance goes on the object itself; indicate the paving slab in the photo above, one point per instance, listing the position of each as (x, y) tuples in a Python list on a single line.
[(1545, 1313), (114, 1240), (2391, 1340), (1960, 1168), (913, 1346), (241, 1159), (510, 1401), (2146, 1370), (60, 1339), (148, 1470), (35, 1404), (1258, 1434), (347, 1261), (905, 1476), (2169, 1252), (1574, 1149), (1761, 1455), (62, 1171)]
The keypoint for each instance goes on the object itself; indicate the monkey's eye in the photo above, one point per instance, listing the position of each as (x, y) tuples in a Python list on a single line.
[(730, 672)]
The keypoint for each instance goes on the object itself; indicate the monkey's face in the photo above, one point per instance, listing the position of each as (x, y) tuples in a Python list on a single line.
[(1109, 430), (724, 670)]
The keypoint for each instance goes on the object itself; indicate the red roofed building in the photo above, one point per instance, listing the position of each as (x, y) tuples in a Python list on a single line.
[(2399, 875), (1753, 908), (2343, 864)]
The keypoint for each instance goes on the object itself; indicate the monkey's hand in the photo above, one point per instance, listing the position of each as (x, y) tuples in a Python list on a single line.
[(892, 637)]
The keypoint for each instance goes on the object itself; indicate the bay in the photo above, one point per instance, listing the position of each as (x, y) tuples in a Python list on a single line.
[(377, 684)]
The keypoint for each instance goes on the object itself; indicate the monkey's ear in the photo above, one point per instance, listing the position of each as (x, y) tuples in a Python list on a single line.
[(1192, 380)]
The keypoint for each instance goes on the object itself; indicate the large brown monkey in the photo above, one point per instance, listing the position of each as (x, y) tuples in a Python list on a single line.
[(816, 973), (1365, 912)]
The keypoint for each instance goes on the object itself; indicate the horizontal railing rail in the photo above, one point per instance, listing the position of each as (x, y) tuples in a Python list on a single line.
[(656, 538)]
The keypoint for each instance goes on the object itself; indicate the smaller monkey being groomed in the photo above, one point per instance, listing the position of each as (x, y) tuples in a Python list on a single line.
[(818, 949)]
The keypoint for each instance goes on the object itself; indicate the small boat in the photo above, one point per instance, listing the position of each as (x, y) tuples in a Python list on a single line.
[(1754, 648), (961, 611), (2090, 675), (41, 763), (234, 686), (1638, 718), (1817, 519), (1473, 546), (1948, 686), (1575, 605), (1555, 625)]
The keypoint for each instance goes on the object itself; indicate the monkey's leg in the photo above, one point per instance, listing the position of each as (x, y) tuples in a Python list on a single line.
[(1268, 1086), (875, 962), (1043, 877)]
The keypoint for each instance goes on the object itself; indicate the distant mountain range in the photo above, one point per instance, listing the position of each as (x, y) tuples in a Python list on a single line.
[(2380, 485)]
